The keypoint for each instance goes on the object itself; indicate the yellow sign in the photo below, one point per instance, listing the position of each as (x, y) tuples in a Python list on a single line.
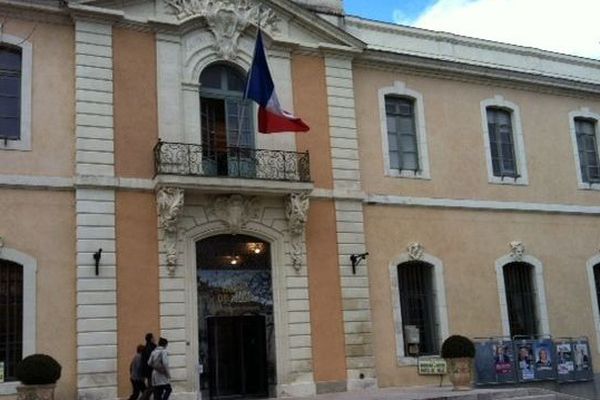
[(432, 366)]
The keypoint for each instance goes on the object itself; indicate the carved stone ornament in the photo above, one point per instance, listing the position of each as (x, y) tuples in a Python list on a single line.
[(415, 251), (235, 210), (170, 205), (517, 250), (296, 211), (226, 19)]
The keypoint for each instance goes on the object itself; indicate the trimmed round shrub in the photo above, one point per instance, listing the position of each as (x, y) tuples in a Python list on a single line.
[(38, 369), (457, 346)]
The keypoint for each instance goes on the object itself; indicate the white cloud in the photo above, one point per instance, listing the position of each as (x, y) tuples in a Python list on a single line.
[(567, 26)]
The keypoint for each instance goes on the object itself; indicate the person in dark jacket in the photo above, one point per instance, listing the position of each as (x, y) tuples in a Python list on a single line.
[(146, 369), (136, 374)]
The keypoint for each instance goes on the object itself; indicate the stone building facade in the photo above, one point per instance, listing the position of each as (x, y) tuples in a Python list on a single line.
[(139, 197)]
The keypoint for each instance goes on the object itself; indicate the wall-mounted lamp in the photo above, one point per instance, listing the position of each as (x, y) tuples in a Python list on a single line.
[(97, 256), (355, 259)]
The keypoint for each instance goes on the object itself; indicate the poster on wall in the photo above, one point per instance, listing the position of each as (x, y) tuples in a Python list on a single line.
[(543, 357), (494, 362), (502, 358), (581, 357), (1, 371), (564, 356), (525, 362)]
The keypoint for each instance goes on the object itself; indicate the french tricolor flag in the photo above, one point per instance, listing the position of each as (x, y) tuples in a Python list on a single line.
[(260, 88)]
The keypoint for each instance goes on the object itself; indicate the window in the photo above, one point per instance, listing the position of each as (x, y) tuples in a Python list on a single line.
[(402, 138), (403, 134), (15, 93), (10, 93), (226, 121), (597, 281), (587, 146), (593, 273), (11, 317), (504, 145), (521, 299), (415, 286)]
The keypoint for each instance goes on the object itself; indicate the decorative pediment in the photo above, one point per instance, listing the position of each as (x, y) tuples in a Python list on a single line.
[(226, 20), (235, 211)]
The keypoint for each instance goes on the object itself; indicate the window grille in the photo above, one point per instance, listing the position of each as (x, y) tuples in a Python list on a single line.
[(587, 145), (502, 145), (10, 93), (402, 136), (521, 299), (415, 283), (11, 316)]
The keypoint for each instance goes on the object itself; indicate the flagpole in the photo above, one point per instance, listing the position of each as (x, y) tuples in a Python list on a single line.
[(241, 113)]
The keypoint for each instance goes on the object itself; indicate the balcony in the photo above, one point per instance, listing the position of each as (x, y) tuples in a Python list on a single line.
[(231, 168)]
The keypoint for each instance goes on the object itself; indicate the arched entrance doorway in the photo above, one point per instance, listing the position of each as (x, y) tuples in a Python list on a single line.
[(236, 332)]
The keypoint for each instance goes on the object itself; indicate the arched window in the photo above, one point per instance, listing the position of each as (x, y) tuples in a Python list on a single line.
[(226, 121), (521, 299), (417, 306), (11, 316)]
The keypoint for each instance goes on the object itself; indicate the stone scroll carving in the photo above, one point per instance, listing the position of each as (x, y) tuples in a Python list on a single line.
[(170, 205), (235, 210), (226, 19), (415, 251), (297, 214), (517, 250)]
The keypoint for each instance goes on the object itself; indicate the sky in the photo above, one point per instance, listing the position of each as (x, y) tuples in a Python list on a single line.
[(570, 27)]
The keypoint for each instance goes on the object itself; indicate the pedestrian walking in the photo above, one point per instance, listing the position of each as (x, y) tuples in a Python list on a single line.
[(136, 374), (147, 369), (161, 377)]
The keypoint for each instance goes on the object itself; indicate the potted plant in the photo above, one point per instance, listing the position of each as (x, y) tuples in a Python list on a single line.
[(38, 374), (459, 352)]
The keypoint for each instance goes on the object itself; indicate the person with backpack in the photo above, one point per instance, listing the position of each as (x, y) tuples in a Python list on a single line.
[(161, 377), (147, 369)]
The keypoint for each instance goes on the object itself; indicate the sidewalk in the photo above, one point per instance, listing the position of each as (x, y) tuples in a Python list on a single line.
[(441, 393)]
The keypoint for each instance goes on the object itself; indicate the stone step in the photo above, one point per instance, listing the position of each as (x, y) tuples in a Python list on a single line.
[(545, 396)]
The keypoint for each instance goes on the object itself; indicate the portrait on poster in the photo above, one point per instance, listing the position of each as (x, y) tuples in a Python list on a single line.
[(502, 358), (565, 358), (581, 357), (543, 361), (526, 362)]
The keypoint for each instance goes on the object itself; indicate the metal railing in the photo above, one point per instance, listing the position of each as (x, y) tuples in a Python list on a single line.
[(233, 162)]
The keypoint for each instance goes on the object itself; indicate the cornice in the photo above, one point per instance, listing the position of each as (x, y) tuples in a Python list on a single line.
[(91, 13), (34, 12), (469, 41), (430, 67)]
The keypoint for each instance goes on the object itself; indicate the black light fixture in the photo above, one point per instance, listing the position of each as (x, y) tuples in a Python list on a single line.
[(97, 256), (355, 259)]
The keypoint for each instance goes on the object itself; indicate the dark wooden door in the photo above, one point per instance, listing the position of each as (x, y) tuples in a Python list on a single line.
[(237, 357)]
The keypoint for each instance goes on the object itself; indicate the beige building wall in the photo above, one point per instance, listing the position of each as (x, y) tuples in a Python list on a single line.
[(563, 243), (53, 77), (50, 239), (456, 141)]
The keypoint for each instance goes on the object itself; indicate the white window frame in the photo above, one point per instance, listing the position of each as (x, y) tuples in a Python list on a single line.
[(593, 261), (538, 282), (29, 265), (440, 306), (584, 112), (24, 142), (518, 141), (399, 89)]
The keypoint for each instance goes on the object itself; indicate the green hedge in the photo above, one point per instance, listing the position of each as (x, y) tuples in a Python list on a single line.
[(38, 369), (457, 346)]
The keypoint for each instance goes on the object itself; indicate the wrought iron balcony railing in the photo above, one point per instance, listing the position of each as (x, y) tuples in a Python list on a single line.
[(234, 162)]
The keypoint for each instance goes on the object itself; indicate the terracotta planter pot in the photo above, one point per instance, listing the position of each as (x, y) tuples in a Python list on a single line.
[(35, 392), (460, 372)]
